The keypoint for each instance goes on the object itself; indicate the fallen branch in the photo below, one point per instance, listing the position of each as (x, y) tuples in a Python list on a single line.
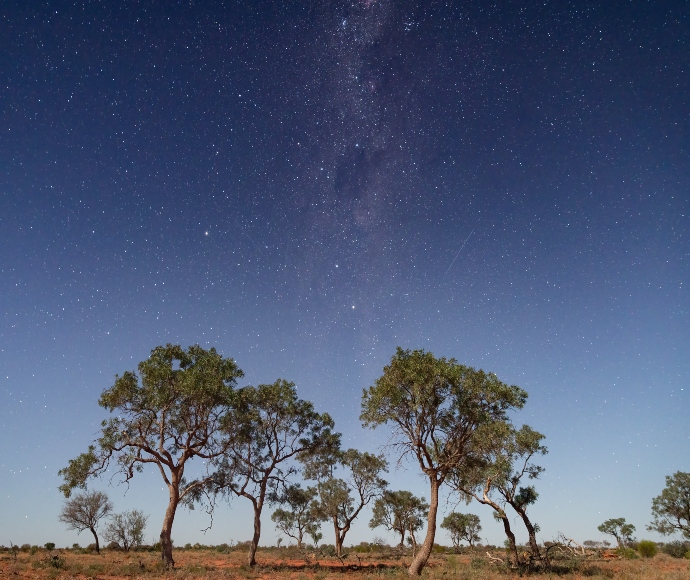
[(493, 559)]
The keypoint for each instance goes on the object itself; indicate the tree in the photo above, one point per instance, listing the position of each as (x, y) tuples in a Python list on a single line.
[(462, 527), (300, 518), (401, 512), (336, 501), (170, 413), (671, 509), (84, 511), (435, 406), (617, 528), (269, 426), (500, 460), (126, 530)]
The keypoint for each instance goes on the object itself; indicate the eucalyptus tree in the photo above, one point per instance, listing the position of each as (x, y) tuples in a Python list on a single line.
[(462, 527), (169, 413), (84, 512), (619, 529), (501, 461), (435, 406), (342, 499), (671, 509), (126, 530), (268, 427), (300, 517), (400, 512)]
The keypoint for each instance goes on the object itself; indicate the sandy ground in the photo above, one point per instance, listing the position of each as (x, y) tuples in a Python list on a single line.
[(282, 564)]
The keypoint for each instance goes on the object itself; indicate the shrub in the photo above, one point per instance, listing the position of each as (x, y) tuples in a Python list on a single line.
[(647, 548), (50, 546), (676, 549), (627, 553), (33, 550)]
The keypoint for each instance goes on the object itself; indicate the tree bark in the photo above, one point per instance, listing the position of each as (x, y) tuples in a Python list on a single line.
[(422, 557), (534, 546), (258, 508), (95, 537), (166, 531), (257, 535), (511, 536)]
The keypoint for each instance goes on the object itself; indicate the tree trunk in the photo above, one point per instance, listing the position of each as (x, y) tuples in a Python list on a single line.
[(257, 534), (511, 537), (95, 537), (166, 531), (422, 557), (338, 539), (534, 546)]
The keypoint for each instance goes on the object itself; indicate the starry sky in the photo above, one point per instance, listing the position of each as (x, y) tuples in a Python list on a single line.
[(306, 185)]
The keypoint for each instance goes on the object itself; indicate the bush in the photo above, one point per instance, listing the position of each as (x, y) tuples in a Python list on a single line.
[(33, 550), (25, 547), (647, 548), (627, 553), (50, 546), (676, 549)]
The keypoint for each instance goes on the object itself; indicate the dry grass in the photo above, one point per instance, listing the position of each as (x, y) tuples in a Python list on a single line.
[(290, 565)]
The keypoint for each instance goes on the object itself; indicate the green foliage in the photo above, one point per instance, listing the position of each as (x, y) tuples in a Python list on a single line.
[(619, 529), (676, 548), (435, 405), (627, 553), (301, 517), (647, 548), (33, 550), (671, 509), (50, 546), (399, 511), (342, 499), (170, 412), (462, 527)]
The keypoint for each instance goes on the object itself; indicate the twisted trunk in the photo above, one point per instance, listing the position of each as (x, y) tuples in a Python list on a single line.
[(512, 544), (422, 557)]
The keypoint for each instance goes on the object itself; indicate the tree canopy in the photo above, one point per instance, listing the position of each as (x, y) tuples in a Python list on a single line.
[(435, 406), (267, 427), (671, 509), (619, 529), (167, 414), (342, 499), (84, 512), (401, 512), (462, 527)]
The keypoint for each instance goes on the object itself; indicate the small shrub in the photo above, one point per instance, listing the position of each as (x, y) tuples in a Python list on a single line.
[(647, 548), (33, 550), (627, 553), (50, 546), (25, 547)]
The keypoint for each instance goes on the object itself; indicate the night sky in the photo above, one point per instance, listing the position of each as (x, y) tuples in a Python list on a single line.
[(306, 185)]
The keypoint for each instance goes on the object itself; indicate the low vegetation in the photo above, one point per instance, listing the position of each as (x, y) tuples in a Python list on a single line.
[(366, 561)]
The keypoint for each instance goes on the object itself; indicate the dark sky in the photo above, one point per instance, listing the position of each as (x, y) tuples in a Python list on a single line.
[(307, 185)]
